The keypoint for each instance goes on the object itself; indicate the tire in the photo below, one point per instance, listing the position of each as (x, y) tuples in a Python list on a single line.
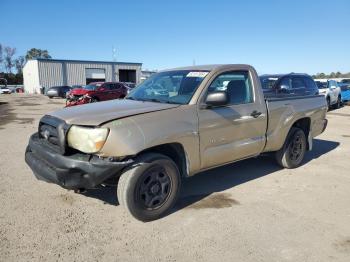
[(94, 100), (328, 103), (149, 189), (50, 97), (338, 104), (293, 151)]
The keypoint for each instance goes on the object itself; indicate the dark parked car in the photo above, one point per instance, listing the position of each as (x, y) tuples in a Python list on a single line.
[(288, 84), (95, 92), (58, 91)]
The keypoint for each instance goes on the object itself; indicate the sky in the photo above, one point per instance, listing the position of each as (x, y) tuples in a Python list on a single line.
[(275, 36)]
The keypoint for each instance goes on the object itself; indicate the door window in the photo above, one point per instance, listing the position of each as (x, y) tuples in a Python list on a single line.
[(285, 84), (298, 83), (108, 86), (236, 84)]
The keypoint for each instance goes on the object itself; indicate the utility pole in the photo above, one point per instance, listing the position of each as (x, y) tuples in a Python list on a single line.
[(114, 51)]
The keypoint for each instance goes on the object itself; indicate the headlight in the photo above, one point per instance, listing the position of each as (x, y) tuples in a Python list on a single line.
[(87, 139)]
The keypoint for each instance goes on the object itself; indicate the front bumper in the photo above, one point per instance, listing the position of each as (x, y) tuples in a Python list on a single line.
[(77, 171), (77, 101)]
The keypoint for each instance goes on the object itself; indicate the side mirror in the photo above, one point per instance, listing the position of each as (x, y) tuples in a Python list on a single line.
[(101, 89), (219, 98)]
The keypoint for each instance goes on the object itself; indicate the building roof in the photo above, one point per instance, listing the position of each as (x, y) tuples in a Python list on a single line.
[(86, 61)]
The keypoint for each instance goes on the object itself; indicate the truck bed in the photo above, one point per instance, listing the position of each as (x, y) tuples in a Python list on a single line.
[(283, 111)]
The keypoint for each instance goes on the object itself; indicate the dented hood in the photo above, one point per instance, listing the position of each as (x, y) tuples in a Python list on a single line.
[(97, 113)]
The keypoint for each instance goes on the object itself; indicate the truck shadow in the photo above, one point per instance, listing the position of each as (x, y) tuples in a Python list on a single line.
[(200, 186)]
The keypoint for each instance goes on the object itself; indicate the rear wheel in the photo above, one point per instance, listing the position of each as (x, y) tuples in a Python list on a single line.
[(292, 153), (328, 102), (338, 104), (149, 189)]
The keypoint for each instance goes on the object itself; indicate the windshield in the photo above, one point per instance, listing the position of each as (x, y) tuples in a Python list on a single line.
[(321, 85), (175, 87), (90, 87)]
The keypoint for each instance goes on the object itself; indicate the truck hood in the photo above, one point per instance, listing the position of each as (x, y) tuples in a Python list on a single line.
[(101, 112)]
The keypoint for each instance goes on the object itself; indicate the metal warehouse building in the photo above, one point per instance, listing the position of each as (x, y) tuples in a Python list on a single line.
[(54, 72)]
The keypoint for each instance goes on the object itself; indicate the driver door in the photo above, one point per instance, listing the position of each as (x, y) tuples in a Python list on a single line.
[(234, 131)]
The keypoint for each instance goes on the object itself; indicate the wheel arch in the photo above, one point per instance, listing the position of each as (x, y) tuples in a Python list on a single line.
[(305, 125), (175, 151)]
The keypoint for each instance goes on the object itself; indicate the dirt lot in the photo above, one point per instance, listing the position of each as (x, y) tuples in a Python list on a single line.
[(248, 211)]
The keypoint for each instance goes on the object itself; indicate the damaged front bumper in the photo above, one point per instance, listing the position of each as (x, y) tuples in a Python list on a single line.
[(76, 171)]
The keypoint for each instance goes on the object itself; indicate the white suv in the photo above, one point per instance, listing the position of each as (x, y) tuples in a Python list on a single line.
[(331, 90)]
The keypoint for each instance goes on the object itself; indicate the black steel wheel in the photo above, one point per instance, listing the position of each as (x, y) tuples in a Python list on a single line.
[(149, 188), (154, 187), (293, 151)]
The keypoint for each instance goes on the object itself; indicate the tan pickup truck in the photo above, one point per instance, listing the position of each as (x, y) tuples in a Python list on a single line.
[(176, 124)]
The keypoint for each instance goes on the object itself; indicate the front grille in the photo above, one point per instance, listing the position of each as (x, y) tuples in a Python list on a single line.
[(52, 132), (73, 98)]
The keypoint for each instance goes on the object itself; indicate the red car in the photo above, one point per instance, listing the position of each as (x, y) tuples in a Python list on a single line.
[(95, 92)]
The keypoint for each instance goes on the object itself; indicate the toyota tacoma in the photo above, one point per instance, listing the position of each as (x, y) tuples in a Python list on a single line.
[(205, 117)]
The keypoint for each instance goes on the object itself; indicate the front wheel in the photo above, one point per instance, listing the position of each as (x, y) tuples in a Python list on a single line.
[(328, 103), (292, 153), (94, 100), (149, 189), (338, 104)]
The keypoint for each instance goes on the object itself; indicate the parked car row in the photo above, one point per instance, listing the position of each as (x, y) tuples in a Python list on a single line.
[(9, 90), (93, 92), (281, 85)]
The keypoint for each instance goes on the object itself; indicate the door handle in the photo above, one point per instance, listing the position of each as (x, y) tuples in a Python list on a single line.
[(255, 114)]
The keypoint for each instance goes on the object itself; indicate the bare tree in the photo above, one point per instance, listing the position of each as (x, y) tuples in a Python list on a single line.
[(19, 63), (1, 56), (9, 62)]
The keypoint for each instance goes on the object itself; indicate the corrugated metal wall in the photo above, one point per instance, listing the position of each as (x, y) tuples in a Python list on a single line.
[(76, 72), (50, 73), (56, 73)]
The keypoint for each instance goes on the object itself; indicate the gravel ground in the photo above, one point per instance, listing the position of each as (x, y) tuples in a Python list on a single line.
[(248, 211)]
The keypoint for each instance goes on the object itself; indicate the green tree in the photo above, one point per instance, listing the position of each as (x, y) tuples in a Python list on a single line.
[(321, 75), (37, 53)]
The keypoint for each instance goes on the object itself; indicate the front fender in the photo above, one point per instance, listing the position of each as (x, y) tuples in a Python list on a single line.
[(131, 135)]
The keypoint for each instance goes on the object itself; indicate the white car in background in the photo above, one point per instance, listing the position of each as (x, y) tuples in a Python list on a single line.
[(331, 90), (5, 90)]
